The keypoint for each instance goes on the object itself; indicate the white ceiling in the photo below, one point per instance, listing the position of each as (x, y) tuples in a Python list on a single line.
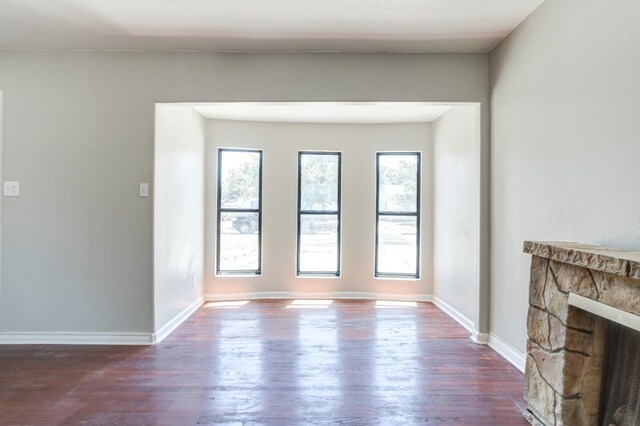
[(261, 25), (324, 112)]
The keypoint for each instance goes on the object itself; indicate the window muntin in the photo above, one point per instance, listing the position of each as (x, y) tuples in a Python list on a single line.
[(319, 212), (397, 245), (239, 236)]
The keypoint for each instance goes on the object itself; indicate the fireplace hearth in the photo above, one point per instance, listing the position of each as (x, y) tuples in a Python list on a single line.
[(575, 292)]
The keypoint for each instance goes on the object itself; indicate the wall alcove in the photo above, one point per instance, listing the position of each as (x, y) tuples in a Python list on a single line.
[(187, 137)]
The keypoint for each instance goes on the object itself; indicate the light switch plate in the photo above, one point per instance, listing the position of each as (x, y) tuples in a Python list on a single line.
[(11, 189), (144, 190)]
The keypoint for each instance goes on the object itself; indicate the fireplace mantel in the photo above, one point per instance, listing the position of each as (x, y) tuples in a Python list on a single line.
[(566, 345), (612, 261)]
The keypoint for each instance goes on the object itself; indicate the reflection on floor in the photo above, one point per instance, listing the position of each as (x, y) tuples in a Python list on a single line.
[(260, 363)]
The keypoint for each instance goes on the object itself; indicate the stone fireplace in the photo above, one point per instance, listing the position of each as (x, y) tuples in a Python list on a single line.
[(574, 292)]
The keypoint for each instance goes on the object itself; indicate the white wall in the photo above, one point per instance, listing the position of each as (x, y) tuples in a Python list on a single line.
[(77, 246), (178, 221), (456, 215), (280, 143), (1, 178), (565, 141)]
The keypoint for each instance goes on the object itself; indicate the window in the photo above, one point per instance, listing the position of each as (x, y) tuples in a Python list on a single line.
[(397, 253), (239, 236), (319, 202)]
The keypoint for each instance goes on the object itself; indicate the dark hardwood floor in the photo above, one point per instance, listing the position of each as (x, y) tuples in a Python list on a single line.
[(265, 364)]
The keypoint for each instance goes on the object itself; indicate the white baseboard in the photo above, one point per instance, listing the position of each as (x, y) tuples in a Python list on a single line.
[(480, 338), (265, 295), (71, 338), (176, 321), (79, 338), (476, 336), (508, 352)]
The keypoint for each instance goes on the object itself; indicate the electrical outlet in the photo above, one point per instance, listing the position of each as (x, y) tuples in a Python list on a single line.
[(144, 190), (11, 189)]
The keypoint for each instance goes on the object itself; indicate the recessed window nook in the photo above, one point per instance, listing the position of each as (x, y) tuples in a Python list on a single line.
[(268, 246)]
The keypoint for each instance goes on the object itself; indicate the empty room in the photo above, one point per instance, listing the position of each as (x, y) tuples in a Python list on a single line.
[(362, 212)]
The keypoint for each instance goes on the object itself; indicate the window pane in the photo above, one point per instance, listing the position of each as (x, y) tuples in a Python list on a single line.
[(240, 179), (319, 182), (318, 243), (397, 244), (398, 183), (239, 242)]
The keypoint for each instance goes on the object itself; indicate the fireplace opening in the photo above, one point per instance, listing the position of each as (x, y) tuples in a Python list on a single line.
[(620, 403)]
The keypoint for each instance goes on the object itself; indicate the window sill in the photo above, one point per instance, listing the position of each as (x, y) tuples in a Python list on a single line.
[(318, 275), (236, 274), (396, 277)]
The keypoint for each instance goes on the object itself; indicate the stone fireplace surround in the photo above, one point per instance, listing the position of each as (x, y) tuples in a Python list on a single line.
[(566, 344)]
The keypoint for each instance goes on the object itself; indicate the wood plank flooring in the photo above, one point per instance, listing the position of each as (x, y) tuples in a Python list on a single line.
[(265, 364)]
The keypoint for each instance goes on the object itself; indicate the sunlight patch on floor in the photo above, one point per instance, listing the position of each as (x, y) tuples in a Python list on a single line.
[(310, 303), (226, 304), (395, 304)]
